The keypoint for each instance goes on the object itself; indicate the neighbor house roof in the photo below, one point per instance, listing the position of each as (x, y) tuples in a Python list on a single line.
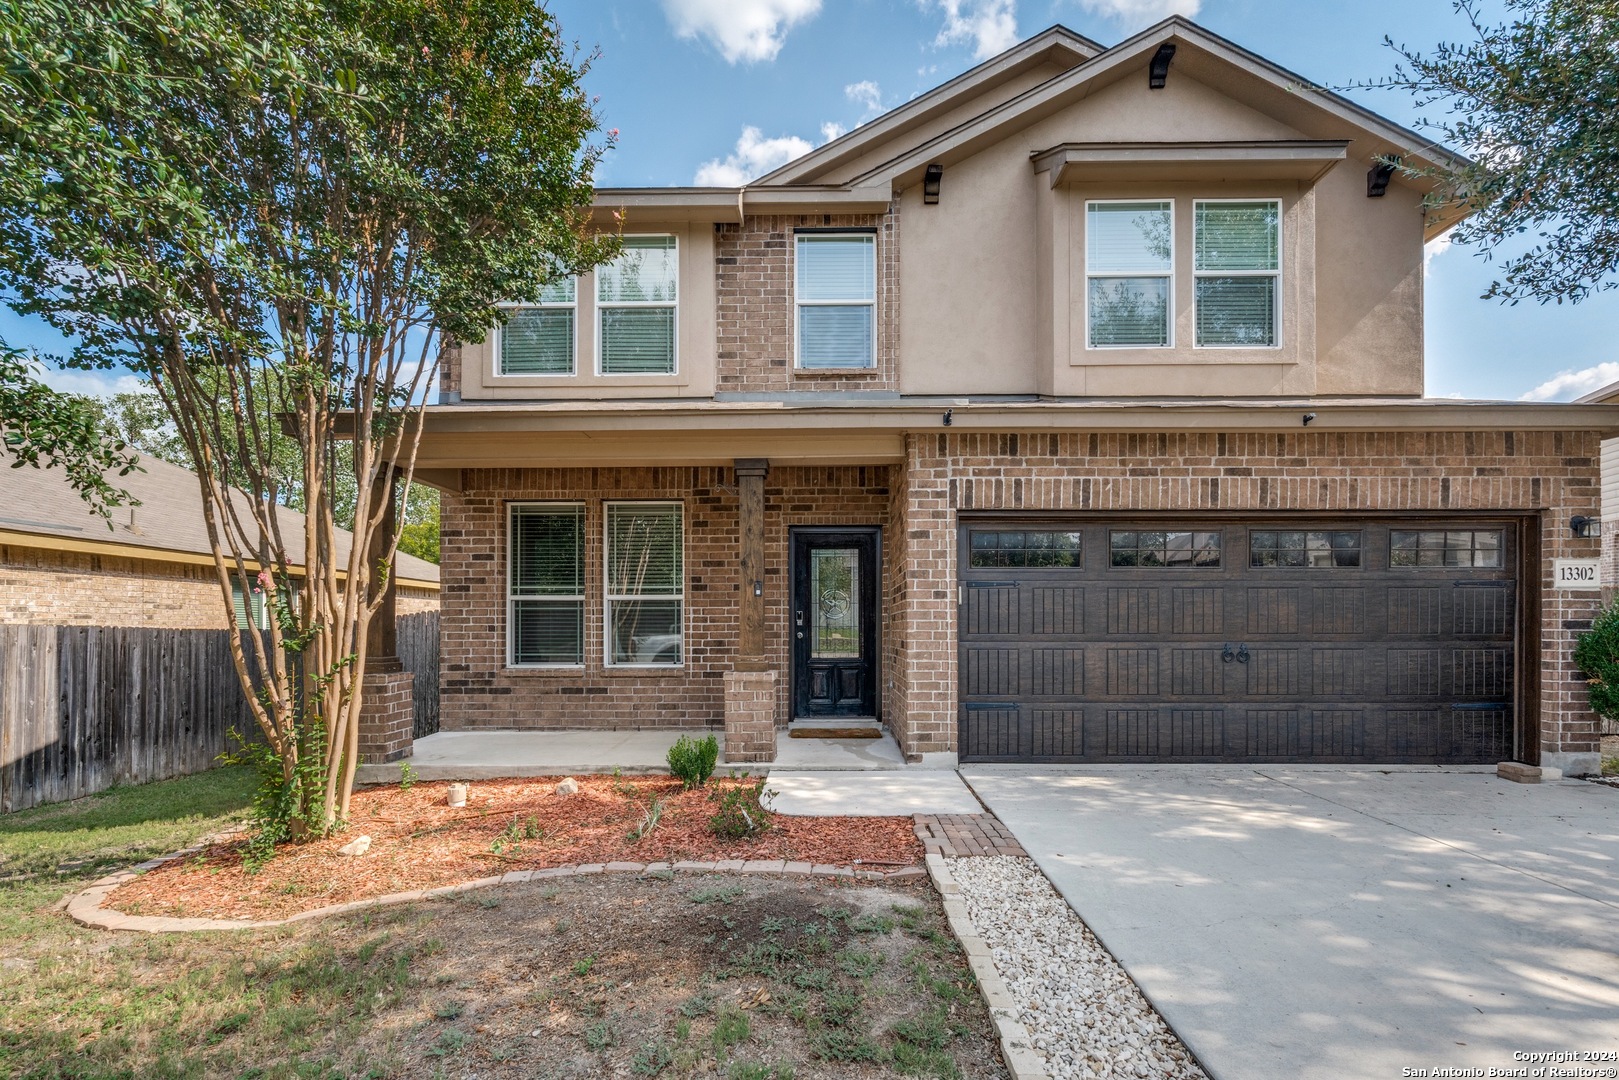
[(39, 509)]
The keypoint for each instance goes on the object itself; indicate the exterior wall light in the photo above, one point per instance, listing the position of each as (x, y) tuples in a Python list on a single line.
[(931, 179), (1158, 72), (1377, 178), (1584, 528)]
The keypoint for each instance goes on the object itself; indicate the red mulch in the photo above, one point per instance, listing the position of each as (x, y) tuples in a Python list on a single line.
[(418, 842)]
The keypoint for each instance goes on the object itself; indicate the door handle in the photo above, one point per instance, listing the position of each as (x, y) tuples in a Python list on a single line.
[(1242, 654), (1226, 654), (801, 635), (798, 619)]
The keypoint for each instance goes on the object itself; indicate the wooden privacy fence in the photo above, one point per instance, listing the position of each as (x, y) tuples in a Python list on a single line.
[(85, 707)]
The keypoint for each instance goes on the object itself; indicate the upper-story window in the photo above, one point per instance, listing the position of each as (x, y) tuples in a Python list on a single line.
[(538, 339), (835, 288), (635, 308), (1238, 265), (1129, 270)]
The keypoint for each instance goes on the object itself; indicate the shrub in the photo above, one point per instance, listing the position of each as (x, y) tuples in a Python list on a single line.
[(740, 813), (1596, 653), (693, 760)]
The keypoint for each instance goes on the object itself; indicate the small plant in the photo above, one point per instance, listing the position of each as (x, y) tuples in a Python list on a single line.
[(450, 1010), (692, 761), (581, 968), (730, 1027), (449, 1041), (650, 816), (600, 1036), (740, 813), (652, 1059), (699, 1004), (758, 1070), (1596, 654), (841, 1044), (724, 894), (407, 776)]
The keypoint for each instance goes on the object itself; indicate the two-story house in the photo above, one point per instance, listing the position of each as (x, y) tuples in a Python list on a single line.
[(1070, 412)]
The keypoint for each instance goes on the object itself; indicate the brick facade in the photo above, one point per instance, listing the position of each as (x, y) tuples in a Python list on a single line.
[(750, 715), (754, 286), (68, 588), (387, 714), (1549, 473), (479, 690)]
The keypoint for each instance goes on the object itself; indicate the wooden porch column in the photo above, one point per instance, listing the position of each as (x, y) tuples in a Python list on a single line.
[(750, 484), (382, 641)]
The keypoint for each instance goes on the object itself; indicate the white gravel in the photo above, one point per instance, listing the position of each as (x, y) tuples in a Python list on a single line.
[(1085, 1016)]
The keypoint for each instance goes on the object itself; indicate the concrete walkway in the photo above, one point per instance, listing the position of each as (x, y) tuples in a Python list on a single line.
[(1340, 923), (485, 755), (887, 793)]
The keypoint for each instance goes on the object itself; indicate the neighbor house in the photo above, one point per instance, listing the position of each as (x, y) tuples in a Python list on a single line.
[(1070, 412), (149, 565)]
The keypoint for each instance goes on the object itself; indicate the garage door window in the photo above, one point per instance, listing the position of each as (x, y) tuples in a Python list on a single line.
[(1025, 548), (1307, 550), (1187, 550), (1445, 547)]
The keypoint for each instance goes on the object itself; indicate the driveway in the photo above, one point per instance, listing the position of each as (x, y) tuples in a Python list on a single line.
[(1335, 923)]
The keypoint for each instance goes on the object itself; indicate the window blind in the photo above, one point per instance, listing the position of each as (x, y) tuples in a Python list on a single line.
[(635, 295), (645, 583), (1238, 236), (259, 619), (1236, 311), (537, 341), (1129, 311), (836, 291), (1237, 259), (547, 572)]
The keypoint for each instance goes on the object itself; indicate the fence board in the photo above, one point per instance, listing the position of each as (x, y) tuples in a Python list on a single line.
[(85, 707)]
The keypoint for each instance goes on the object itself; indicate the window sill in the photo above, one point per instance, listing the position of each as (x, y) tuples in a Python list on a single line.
[(834, 372), (621, 671), (560, 671)]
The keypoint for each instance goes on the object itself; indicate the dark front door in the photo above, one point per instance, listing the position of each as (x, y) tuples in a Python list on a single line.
[(834, 622)]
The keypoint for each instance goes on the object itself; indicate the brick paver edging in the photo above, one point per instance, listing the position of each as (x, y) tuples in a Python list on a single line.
[(1016, 1048), (86, 910)]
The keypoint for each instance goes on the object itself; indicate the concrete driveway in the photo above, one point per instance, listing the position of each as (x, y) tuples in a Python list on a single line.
[(1336, 923)]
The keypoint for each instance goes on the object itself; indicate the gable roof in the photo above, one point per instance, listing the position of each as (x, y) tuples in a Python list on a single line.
[(1056, 44), (39, 509)]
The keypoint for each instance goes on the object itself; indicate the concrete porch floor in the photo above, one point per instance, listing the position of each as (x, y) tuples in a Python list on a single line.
[(489, 755)]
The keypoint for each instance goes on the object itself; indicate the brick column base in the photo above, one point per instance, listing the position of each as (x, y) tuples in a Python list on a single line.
[(387, 717), (750, 716)]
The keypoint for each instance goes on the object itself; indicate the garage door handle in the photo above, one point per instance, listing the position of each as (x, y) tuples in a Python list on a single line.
[(1242, 654), (1226, 654)]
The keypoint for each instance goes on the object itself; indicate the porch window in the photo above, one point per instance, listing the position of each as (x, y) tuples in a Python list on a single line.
[(538, 339), (1239, 271), (1129, 264), (646, 584), (635, 305), (546, 615), (835, 288)]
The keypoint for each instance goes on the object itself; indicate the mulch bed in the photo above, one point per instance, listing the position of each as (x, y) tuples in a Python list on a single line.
[(419, 842)]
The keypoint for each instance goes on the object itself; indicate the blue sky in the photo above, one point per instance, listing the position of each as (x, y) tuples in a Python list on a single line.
[(717, 91)]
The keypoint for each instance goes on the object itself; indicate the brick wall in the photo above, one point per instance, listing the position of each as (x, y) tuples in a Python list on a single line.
[(67, 588), (754, 288), (1554, 472), (480, 691)]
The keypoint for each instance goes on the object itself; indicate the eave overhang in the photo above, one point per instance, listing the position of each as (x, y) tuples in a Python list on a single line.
[(628, 206), (1306, 160)]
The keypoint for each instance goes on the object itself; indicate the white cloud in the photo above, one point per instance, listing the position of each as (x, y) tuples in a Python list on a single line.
[(1568, 385), (831, 130), (990, 25), (1135, 14), (867, 94), (754, 156), (1433, 249), (101, 384), (750, 30)]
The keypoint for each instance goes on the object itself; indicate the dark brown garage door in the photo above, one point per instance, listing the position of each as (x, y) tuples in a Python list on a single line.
[(1336, 641)]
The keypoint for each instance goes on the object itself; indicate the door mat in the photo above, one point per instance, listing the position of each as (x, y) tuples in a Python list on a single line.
[(836, 733)]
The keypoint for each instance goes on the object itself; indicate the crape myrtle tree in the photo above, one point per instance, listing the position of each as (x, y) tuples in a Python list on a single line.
[(1534, 101), (276, 212)]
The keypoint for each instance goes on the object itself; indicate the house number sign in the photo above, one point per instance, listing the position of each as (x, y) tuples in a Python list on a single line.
[(1578, 574)]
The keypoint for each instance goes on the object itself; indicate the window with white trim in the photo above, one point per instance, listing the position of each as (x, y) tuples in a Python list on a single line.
[(538, 339), (545, 624), (835, 293), (1238, 270), (252, 611), (646, 584), (635, 307), (1129, 272)]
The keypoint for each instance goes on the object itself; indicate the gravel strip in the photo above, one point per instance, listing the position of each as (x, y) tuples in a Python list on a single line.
[(1085, 1016)]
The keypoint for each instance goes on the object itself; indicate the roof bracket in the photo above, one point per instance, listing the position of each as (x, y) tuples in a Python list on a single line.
[(931, 180), (1378, 176), (1158, 72)]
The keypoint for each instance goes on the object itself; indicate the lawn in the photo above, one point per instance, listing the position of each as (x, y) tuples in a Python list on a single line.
[(747, 978)]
